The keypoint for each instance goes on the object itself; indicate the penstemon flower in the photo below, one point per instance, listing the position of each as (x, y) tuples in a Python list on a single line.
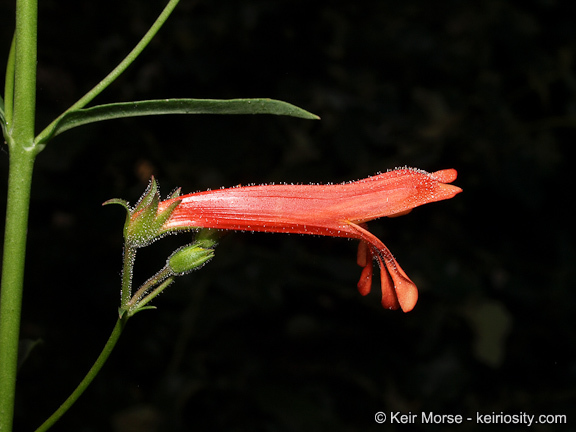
[(336, 210)]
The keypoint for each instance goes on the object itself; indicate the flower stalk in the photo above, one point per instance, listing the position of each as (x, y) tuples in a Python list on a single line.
[(182, 261), (87, 380)]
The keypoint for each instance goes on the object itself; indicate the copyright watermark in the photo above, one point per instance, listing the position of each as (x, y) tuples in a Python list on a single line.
[(380, 417), (521, 418)]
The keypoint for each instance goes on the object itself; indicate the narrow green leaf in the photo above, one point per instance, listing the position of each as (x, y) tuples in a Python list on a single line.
[(81, 117)]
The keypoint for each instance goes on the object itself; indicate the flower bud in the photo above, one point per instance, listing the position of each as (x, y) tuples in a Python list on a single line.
[(188, 258)]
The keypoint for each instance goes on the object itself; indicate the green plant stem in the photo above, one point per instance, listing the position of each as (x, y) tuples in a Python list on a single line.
[(154, 280), (136, 51), (140, 305), (24, 97), (106, 351), (127, 268), (20, 141), (118, 70), (9, 84), (129, 257), (20, 177)]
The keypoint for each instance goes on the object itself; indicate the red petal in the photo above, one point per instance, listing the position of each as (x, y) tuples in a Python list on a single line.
[(365, 282), (445, 176), (310, 209), (364, 256), (402, 213), (389, 298), (404, 290)]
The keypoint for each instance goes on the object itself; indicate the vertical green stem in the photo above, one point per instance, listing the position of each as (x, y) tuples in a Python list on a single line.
[(25, 74), (22, 155), (9, 84), (20, 177)]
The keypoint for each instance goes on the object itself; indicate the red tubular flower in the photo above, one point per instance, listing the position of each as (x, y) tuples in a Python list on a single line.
[(337, 210)]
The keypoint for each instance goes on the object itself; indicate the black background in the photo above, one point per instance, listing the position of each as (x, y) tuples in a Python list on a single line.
[(272, 335)]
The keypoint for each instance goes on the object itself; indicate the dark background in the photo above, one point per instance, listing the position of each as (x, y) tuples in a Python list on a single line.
[(272, 335)]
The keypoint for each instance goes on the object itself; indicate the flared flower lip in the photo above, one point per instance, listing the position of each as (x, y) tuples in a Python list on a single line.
[(336, 210)]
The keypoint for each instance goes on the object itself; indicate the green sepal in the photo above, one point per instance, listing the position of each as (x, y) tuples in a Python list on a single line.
[(143, 222), (150, 195), (175, 194), (162, 217), (207, 238), (122, 202), (140, 229)]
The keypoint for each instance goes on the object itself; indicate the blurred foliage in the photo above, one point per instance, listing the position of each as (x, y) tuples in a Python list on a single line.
[(271, 335)]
